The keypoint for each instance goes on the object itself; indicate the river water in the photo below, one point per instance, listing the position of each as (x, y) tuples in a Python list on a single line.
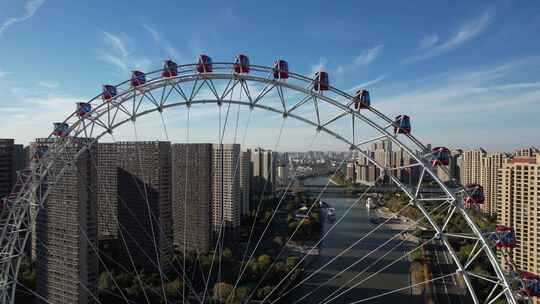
[(351, 228)]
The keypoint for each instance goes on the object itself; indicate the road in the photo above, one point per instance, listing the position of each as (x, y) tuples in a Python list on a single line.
[(446, 290)]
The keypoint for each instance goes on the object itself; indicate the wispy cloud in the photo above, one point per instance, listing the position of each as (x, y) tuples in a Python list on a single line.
[(467, 92), (365, 58), (162, 42), (428, 41), (319, 66), (3, 73), (118, 53), (431, 46), (368, 55), (368, 83), (30, 8), (48, 84)]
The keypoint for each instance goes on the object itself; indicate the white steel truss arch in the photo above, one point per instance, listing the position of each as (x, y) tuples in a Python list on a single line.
[(133, 102)]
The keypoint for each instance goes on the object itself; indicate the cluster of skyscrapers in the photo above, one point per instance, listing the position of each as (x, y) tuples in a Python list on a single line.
[(134, 202)]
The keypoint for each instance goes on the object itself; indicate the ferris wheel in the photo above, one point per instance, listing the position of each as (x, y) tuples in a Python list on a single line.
[(348, 118)]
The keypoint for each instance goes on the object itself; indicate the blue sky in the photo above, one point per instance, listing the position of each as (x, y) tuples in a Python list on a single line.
[(468, 72)]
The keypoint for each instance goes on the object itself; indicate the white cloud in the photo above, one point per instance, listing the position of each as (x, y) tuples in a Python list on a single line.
[(119, 54), (430, 46), (30, 8), (3, 73), (365, 58), (162, 42), (48, 84), (319, 66), (428, 41), (368, 83), (368, 55), (466, 92)]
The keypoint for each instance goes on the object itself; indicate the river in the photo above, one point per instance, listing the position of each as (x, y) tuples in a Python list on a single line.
[(353, 227)]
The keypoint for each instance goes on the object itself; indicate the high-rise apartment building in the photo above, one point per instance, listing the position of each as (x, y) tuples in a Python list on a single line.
[(264, 165), (225, 189), (471, 169), (7, 166), (450, 173), (107, 158), (66, 242), (518, 206), (526, 151), (245, 182), (144, 203), (192, 196), (490, 165)]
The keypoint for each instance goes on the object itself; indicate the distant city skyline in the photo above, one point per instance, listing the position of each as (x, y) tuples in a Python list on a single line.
[(449, 71)]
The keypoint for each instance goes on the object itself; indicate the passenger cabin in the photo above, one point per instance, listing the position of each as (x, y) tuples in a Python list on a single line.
[(362, 100), (321, 82), (170, 69), (241, 64), (60, 129), (531, 284), (109, 91), (474, 194), (506, 238), (402, 125), (83, 109), (441, 156), (204, 64), (281, 69), (138, 78)]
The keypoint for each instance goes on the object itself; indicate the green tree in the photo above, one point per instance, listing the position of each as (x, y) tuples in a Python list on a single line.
[(291, 262), (105, 282), (242, 293), (264, 261), (222, 290), (173, 288), (264, 292)]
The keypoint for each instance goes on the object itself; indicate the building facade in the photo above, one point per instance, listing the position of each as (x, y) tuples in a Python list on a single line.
[(66, 242), (518, 206), (7, 166), (144, 203), (192, 196), (471, 167), (491, 164), (226, 203)]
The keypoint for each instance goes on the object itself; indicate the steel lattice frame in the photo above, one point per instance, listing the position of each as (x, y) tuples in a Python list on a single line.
[(131, 103)]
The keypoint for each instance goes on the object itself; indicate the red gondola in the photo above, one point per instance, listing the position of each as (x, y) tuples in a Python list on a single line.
[(506, 238), (137, 78), (531, 284), (441, 156), (204, 64), (60, 129), (83, 109), (109, 91), (402, 125), (321, 82), (362, 99), (281, 69), (170, 69), (241, 64), (474, 194)]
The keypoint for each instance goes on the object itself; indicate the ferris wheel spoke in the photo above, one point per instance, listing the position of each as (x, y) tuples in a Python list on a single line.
[(243, 269), (151, 216), (328, 299), (316, 201), (403, 288), (327, 233), (381, 257), (397, 234)]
